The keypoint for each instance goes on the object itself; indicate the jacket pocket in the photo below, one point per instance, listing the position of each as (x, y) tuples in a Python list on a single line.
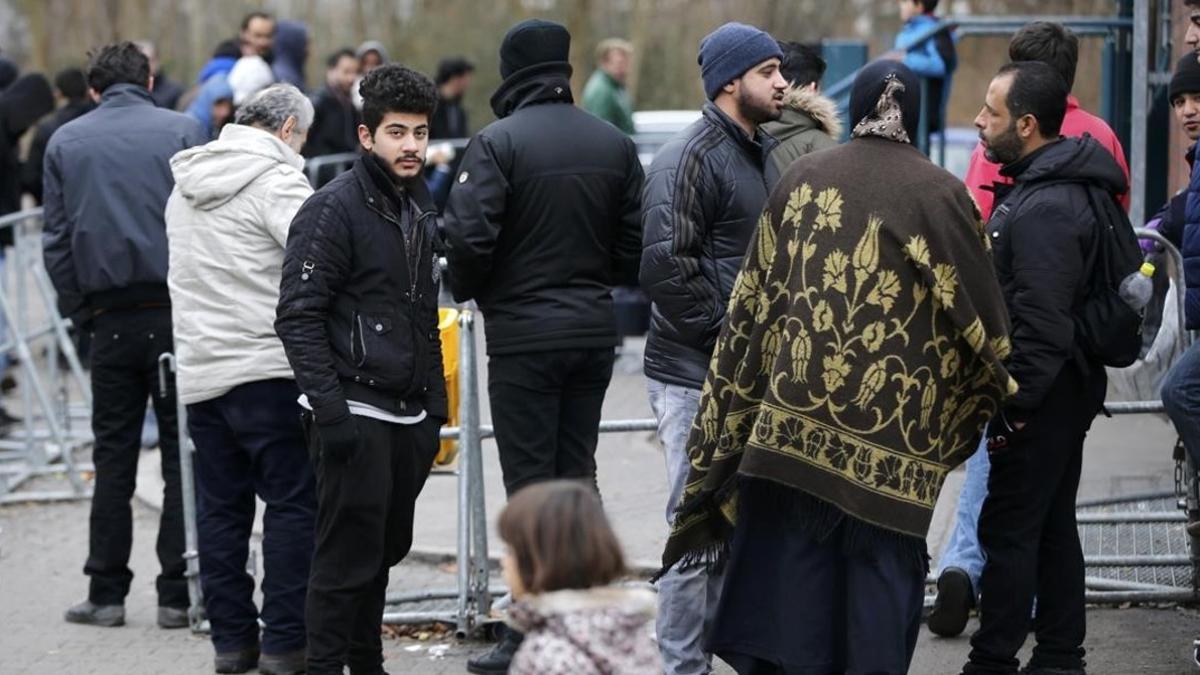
[(383, 349)]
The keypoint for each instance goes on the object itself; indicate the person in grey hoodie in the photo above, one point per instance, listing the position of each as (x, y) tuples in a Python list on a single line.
[(810, 121), (227, 226)]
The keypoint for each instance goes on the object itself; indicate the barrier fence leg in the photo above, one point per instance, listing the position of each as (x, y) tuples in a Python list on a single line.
[(468, 424), (187, 480), (43, 398), (473, 446), (64, 341), (18, 324)]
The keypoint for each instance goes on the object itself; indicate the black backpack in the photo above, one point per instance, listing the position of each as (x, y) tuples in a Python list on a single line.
[(1107, 330)]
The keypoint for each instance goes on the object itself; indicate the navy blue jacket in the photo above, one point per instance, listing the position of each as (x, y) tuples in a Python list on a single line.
[(1191, 250), (106, 182)]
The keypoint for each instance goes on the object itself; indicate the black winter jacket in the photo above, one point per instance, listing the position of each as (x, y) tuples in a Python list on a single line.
[(31, 171), (543, 220), (335, 125), (1041, 253), (704, 194), (358, 311)]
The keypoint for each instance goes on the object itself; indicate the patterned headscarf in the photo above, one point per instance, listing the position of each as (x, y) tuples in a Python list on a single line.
[(886, 102)]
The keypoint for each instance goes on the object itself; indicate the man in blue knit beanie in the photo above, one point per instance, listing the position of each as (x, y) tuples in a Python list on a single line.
[(703, 196)]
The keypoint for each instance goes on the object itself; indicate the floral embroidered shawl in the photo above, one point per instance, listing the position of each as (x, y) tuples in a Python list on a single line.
[(862, 352)]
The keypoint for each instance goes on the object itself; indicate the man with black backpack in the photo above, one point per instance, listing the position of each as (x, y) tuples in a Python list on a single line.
[(1061, 245)]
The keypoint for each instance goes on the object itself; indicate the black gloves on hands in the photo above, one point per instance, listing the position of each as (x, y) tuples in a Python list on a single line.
[(340, 440)]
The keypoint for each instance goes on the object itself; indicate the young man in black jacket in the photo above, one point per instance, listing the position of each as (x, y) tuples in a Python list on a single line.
[(542, 222), (358, 319), (1043, 233)]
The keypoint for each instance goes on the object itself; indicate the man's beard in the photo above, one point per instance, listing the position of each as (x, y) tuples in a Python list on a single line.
[(392, 167), (758, 112), (1005, 148)]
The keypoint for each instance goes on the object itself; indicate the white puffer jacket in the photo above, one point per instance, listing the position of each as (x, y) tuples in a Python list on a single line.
[(227, 226)]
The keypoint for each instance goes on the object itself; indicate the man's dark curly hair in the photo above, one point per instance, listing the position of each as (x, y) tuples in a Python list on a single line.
[(395, 88), (118, 63)]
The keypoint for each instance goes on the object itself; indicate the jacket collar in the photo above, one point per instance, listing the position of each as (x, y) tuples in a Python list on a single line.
[(1015, 170), (543, 83), (758, 147), (123, 95), (804, 108), (381, 193)]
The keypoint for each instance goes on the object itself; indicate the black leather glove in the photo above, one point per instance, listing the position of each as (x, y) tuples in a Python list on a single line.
[(340, 440), (1004, 426)]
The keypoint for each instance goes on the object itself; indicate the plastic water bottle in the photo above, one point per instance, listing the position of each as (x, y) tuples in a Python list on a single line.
[(1137, 288)]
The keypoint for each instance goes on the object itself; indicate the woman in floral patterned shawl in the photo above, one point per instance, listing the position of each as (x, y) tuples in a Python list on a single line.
[(861, 359)]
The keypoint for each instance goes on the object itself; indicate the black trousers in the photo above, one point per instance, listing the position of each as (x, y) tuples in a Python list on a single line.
[(799, 603), (249, 442), (1028, 533), (546, 411), (364, 527), (125, 350)]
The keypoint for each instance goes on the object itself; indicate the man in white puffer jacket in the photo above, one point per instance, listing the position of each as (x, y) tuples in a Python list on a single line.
[(227, 227)]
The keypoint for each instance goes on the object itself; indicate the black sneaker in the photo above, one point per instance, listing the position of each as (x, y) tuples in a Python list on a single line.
[(1042, 670), (953, 603), (496, 661), (287, 663), (240, 661), (92, 614)]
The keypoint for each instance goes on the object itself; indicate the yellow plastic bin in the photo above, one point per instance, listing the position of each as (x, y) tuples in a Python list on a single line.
[(448, 327)]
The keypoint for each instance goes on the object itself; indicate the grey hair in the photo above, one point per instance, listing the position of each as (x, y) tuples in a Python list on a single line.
[(271, 107)]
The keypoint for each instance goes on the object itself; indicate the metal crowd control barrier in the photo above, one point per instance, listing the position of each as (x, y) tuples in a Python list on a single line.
[(473, 593), (1103, 590), (52, 429)]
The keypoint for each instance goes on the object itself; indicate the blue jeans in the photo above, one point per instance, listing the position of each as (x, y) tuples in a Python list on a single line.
[(250, 442), (687, 598), (962, 550), (1181, 398)]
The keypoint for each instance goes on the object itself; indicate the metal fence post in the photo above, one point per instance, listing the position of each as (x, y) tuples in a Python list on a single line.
[(473, 446), (468, 438), (187, 481)]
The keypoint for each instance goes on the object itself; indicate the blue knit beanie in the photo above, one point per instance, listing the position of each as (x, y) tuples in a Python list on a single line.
[(729, 51)]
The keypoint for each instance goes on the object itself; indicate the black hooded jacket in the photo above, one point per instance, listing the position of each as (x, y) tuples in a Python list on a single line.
[(1043, 234), (31, 172), (21, 104), (543, 219)]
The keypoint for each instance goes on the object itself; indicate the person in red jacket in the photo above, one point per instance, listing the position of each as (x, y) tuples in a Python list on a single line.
[(1056, 45), (962, 560)]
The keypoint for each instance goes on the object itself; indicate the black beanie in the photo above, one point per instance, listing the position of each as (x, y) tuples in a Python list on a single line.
[(531, 43), (1186, 79), (869, 85)]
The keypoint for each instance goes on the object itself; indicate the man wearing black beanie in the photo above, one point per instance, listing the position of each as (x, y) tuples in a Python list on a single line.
[(542, 222), (1171, 221)]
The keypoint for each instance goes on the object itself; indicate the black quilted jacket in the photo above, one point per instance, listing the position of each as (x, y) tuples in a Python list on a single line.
[(704, 194), (358, 298)]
